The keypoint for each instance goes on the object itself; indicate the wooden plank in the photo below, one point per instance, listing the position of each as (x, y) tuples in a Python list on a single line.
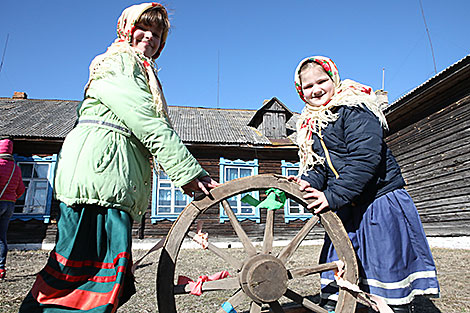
[(457, 112), (289, 250), (443, 186), (168, 257), (438, 210), (332, 224), (268, 232), (424, 104), (438, 126), (301, 272), (234, 300), (420, 136), (236, 263), (222, 284), (438, 173), (450, 142), (440, 218), (456, 151), (445, 201), (457, 186), (305, 302), (247, 244)]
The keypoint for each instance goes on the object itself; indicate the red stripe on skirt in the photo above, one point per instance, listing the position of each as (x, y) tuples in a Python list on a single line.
[(74, 298), (73, 278), (71, 263)]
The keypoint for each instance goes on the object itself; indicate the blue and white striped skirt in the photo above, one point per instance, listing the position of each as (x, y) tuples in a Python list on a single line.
[(395, 261)]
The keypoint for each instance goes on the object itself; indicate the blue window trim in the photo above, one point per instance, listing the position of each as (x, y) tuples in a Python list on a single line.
[(288, 217), (155, 216), (239, 163), (46, 217)]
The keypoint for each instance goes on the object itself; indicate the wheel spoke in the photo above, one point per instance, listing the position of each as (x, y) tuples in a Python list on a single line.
[(234, 300), (237, 264), (222, 284), (301, 272), (255, 307), (276, 307), (269, 232), (247, 244), (306, 303), (289, 250)]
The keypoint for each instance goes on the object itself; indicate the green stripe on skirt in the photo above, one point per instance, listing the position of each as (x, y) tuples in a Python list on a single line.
[(89, 269)]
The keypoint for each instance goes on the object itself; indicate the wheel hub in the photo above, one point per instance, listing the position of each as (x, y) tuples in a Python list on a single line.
[(264, 278)]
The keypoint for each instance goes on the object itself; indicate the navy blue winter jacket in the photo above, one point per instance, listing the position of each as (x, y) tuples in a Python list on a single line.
[(365, 165)]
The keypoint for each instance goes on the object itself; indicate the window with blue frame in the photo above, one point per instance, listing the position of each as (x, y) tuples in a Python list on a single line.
[(292, 209), (38, 177), (168, 201), (230, 170)]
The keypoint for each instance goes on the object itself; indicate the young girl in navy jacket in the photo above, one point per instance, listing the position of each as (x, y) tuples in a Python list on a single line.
[(346, 166)]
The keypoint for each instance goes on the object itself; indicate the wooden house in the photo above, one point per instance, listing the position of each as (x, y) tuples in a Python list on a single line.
[(430, 138), (429, 135), (228, 144)]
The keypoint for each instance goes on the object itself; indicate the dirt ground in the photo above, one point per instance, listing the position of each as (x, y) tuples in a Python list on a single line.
[(22, 266)]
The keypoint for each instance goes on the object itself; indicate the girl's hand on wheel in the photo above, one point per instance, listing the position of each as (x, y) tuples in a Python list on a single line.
[(320, 203)]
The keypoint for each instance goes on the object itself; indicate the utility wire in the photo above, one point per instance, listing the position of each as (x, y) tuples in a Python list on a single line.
[(429, 36), (218, 77), (4, 50)]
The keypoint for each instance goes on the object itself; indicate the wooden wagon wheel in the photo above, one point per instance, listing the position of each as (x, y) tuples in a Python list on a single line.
[(262, 277)]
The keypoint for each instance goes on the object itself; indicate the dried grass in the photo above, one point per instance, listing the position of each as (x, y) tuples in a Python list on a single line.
[(452, 265)]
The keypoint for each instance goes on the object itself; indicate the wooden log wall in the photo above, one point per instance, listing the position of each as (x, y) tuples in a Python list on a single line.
[(434, 155), (224, 231), (269, 162)]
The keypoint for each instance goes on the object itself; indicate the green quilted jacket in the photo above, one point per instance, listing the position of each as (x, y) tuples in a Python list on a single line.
[(105, 159)]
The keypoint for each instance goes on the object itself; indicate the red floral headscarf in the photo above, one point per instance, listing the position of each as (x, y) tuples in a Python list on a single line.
[(313, 119), (328, 65)]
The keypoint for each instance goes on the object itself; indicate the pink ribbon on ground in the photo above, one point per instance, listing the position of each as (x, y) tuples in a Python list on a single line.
[(196, 286)]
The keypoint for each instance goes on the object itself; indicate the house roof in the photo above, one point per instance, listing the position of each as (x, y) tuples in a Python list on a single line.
[(37, 118), (268, 105), (437, 92), (450, 70), (55, 119)]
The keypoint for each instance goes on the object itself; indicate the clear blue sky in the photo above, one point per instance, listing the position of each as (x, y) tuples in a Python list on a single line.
[(52, 42)]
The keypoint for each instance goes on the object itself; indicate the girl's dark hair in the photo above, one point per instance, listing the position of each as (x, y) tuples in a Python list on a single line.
[(156, 16)]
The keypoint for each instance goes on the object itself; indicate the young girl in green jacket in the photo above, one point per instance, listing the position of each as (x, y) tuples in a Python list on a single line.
[(103, 179)]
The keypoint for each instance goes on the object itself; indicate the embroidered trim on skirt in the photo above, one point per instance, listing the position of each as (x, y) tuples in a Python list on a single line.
[(89, 268), (395, 261)]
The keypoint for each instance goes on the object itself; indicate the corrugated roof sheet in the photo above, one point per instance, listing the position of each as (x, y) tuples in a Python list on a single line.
[(37, 118), (436, 77), (55, 118)]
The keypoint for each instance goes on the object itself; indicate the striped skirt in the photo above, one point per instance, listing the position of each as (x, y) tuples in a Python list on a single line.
[(89, 269), (395, 261)]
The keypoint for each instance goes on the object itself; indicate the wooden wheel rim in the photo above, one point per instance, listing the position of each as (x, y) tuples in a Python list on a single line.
[(331, 223)]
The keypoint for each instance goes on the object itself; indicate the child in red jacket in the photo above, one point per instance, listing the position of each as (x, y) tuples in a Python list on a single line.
[(11, 188)]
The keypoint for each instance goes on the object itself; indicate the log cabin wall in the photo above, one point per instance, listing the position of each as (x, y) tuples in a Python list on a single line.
[(429, 131), (269, 162), (435, 161), (429, 136), (230, 137)]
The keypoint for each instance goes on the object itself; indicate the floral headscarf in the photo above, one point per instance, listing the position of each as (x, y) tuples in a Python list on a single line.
[(125, 30), (313, 119), (126, 24)]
